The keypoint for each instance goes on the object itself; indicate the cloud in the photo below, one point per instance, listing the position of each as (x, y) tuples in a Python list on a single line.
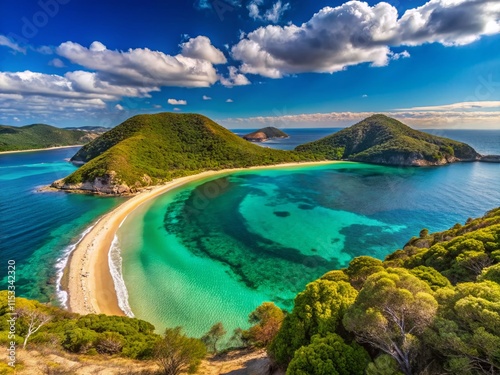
[(229, 101), (119, 107), (234, 79), (419, 119), (58, 63), (355, 32), (176, 102), (16, 119), (141, 66), (201, 48), (79, 84), (177, 109), (401, 55), (272, 14), (364, 96), (44, 50), (456, 106), (206, 97), (4, 41)]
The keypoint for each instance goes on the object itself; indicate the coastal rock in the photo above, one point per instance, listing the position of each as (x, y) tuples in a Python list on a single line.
[(490, 158), (106, 184)]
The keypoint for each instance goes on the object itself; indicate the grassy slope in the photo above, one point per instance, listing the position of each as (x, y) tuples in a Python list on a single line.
[(380, 138), (37, 136), (167, 145)]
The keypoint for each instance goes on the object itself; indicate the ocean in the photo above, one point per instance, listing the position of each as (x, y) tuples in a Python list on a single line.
[(215, 249)]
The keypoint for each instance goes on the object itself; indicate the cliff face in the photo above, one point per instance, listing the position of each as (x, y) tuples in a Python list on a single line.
[(383, 140), (106, 184), (264, 134)]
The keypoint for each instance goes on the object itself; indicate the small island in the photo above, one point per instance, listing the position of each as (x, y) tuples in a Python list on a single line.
[(265, 134)]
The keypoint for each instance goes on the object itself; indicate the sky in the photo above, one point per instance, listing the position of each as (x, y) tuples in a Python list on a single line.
[(251, 63)]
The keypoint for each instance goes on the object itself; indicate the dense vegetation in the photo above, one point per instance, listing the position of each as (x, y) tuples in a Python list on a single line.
[(265, 134), (40, 136), (384, 140), (149, 149), (431, 308)]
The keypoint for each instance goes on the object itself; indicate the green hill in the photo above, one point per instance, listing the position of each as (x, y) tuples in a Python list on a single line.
[(39, 136), (383, 140), (150, 149), (264, 134)]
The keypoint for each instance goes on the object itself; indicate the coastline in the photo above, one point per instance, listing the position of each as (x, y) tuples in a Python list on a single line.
[(87, 275), (37, 149)]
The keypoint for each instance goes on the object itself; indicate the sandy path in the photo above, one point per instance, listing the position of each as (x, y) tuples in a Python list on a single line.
[(90, 285)]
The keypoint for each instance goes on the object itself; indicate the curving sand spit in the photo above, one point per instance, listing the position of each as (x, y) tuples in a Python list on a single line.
[(88, 280), (38, 149)]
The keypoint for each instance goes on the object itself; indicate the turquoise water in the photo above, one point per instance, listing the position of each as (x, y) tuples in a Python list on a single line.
[(215, 249), (38, 229)]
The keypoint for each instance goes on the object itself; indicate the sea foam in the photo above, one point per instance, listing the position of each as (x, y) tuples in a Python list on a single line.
[(61, 263), (115, 267)]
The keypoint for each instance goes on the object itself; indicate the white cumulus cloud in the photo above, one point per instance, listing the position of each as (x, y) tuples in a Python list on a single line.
[(355, 32), (272, 14), (201, 48), (141, 66), (234, 78), (176, 102), (205, 97)]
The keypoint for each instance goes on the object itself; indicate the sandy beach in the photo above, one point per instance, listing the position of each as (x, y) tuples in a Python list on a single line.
[(38, 149), (88, 280)]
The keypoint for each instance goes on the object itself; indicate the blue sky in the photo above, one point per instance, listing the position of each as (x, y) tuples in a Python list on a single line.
[(247, 63)]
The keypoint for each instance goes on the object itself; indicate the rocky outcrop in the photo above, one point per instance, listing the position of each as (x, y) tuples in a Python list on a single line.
[(490, 158), (410, 159), (106, 184)]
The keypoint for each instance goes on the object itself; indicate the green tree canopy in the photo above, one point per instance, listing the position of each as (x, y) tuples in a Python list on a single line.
[(390, 311), (318, 310), (329, 355), (266, 320)]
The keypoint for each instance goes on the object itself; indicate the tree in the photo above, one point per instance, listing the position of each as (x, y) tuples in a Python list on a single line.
[(360, 268), (266, 320), (176, 353), (467, 332), (491, 273), (384, 364), (431, 276), (329, 355), (213, 336), (319, 309), (390, 311), (34, 319)]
